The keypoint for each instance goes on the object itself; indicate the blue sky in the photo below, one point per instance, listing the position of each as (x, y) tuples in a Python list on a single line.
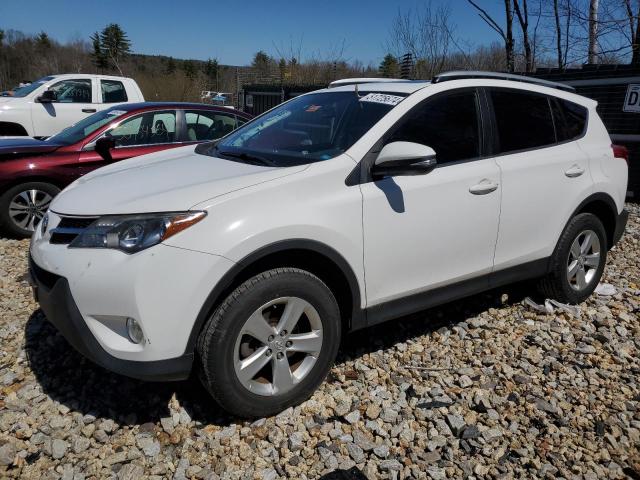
[(233, 31)]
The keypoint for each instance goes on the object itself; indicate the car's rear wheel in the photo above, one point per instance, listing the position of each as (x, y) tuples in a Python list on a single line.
[(270, 343), (23, 206), (578, 261)]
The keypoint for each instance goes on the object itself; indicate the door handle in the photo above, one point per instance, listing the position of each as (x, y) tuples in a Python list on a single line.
[(485, 186), (575, 171), (89, 110)]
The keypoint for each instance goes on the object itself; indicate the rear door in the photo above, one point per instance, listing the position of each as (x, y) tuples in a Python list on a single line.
[(206, 125), (543, 171), (137, 135)]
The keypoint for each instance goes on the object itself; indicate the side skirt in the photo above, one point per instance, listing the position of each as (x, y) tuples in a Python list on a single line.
[(438, 296)]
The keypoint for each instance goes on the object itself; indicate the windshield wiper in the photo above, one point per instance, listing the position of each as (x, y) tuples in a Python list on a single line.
[(248, 157)]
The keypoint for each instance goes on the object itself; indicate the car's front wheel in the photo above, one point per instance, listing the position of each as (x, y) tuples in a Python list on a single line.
[(23, 206), (578, 261), (270, 343)]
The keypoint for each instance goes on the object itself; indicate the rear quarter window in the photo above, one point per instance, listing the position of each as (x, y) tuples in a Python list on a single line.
[(570, 119)]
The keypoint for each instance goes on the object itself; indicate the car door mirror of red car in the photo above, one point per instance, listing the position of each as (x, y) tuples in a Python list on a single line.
[(103, 147)]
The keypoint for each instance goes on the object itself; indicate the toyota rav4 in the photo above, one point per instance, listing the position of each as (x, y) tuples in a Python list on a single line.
[(247, 258)]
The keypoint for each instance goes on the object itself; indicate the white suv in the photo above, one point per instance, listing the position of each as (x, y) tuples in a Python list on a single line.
[(334, 211)]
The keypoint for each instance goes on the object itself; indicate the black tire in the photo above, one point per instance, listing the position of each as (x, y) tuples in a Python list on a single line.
[(7, 224), (555, 284), (217, 341)]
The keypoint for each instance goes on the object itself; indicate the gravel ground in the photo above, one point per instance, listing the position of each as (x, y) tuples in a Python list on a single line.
[(482, 388)]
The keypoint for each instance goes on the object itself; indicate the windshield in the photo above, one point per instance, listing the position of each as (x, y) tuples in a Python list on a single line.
[(307, 129), (26, 89), (86, 127)]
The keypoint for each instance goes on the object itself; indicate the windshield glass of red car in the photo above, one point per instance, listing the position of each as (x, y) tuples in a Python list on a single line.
[(86, 127)]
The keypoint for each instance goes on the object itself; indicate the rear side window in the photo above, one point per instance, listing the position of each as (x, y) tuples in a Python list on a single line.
[(113, 91), (208, 125), (523, 120), (570, 119), (447, 123)]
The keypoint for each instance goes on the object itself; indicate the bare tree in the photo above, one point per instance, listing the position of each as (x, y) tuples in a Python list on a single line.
[(428, 34), (523, 19), (593, 31), (506, 33)]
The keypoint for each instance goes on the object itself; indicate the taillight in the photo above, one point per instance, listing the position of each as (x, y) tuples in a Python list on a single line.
[(620, 151)]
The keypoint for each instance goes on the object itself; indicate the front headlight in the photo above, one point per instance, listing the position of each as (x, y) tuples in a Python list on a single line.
[(132, 233)]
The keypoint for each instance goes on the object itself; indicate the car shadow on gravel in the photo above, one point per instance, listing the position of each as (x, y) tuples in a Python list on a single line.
[(70, 379)]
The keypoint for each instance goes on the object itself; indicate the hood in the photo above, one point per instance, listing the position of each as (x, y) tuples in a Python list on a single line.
[(172, 180), (26, 145)]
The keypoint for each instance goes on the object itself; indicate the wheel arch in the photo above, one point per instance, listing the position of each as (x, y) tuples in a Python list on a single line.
[(31, 178), (604, 207), (313, 256), (13, 128)]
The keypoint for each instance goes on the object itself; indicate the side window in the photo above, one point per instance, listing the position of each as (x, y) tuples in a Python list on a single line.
[(113, 91), (208, 125), (523, 120), (447, 123), (162, 127), (73, 91), (129, 132), (146, 129), (570, 119)]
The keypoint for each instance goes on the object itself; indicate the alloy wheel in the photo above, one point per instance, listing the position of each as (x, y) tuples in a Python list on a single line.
[(27, 208), (584, 260), (278, 346)]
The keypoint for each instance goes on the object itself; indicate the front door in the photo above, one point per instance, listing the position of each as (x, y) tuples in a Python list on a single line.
[(426, 231), (75, 102), (137, 135)]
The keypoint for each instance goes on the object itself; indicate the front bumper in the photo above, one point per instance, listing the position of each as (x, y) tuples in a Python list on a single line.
[(54, 295), (621, 223)]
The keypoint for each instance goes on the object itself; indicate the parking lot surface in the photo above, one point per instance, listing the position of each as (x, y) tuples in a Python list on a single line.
[(486, 387)]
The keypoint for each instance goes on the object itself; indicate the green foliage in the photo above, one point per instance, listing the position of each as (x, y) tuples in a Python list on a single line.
[(43, 42), (262, 62), (170, 67), (189, 69), (98, 57), (389, 67), (210, 69), (115, 44)]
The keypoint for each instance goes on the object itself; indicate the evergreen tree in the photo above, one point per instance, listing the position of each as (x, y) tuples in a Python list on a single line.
[(389, 67), (189, 69), (98, 57), (115, 44), (210, 70), (43, 42), (170, 67)]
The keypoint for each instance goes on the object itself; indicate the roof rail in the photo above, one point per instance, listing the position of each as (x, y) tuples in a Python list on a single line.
[(354, 81), (465, 74)]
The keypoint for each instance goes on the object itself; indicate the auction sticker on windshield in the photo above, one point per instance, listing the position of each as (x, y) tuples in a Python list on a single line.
[(382, 98)]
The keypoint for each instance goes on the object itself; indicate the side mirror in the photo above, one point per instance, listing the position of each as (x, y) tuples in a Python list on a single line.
[(103, 147), (404, 158), (48, 96)]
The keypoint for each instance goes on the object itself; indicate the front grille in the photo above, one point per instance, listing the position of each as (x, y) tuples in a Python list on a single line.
[(69, 228)]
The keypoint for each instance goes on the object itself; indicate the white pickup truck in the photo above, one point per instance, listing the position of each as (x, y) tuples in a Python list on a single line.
[(51, 104)]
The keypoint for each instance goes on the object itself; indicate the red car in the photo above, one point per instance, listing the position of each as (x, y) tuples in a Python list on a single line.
[(33, 171)]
